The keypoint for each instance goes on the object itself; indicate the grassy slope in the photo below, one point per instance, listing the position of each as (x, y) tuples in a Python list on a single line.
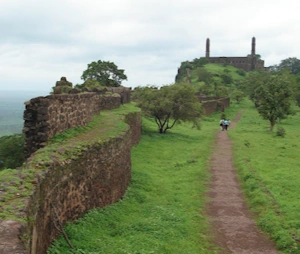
[(269, 169), (162, 211), (218, 69)]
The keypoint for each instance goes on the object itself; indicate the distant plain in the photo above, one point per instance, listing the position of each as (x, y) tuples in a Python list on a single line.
[(12, 108)]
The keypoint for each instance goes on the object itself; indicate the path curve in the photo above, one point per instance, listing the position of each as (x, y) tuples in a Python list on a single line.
[(234, 229)]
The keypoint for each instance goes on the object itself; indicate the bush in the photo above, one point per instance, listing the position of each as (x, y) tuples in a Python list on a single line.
[(280, 132), (241, 72), (12, 151)]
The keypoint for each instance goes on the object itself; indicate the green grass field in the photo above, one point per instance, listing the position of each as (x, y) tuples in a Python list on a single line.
[(162, 211), (269, 168)]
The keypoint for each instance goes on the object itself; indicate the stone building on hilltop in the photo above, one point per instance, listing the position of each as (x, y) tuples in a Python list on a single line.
[(247, 63)]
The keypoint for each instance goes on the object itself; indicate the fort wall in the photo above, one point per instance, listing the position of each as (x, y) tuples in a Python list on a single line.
[(95, 176), (244, 63), (44, 117), (247, 63), (68, 181), (214, 104), (71, 180)]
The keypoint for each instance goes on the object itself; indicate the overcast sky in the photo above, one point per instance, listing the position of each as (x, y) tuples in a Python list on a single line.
[(43, 40)]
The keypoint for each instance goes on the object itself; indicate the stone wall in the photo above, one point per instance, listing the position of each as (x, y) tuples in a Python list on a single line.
[(47, 116), (244, 63), (124, 92), (66, 187), (212, 105), (97, 178)]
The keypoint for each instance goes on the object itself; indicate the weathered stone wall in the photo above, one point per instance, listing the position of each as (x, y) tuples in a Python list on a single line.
[(244, 63), (97, 178), (46, 116), (212, 105), (124, 93), (95, 175)]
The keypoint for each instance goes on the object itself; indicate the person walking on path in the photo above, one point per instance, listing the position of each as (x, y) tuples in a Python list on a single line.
[(226, 124), (222, 124)]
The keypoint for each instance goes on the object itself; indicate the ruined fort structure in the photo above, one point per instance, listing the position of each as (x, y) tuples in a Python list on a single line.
[(47, 116), (73, 178), (247, 63)]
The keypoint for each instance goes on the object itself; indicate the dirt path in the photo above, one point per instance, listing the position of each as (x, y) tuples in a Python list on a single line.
[(234, 228)]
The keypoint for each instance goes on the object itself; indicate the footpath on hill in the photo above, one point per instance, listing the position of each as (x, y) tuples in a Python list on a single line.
[(234, 228)]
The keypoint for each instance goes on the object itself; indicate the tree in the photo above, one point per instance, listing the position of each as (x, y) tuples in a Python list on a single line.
[(251, 83), (203, 75), (275, 96), (221, 91), (199, 62), (237, 95), (106, 73), (291, 63), (226, 77), (12, 151), (170, 104)]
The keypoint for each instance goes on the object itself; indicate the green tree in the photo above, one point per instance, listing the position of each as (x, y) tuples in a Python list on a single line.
[(251, 83), (237, 95), (275, 96), (170, 104), (291, 63), (106, 73), (186, 65), (226, 78), (203, 75), (199, 62), (11, 151)]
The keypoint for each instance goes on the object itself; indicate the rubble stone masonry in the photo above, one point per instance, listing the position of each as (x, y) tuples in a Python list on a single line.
[(72, 180), (46, 116)]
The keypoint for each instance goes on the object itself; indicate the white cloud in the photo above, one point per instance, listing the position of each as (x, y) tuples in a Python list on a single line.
[(44, 40)]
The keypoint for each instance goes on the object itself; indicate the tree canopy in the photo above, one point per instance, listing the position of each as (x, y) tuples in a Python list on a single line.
[(292, 64), (106, 73), (273, 97), (11, 151), (170, 104)]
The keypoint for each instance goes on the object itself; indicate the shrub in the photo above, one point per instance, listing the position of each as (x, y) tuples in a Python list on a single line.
[(280, 132), (12, 151), (241, 72)]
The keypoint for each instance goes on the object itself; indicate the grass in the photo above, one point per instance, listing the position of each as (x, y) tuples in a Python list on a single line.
[(268, 167), (219, 69), (162, 210), (13, 186)]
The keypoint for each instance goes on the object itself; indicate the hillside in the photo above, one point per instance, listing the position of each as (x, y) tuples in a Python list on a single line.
[(211, 79)]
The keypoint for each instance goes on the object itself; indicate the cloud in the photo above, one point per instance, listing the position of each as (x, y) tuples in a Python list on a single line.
[(44, 40)]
